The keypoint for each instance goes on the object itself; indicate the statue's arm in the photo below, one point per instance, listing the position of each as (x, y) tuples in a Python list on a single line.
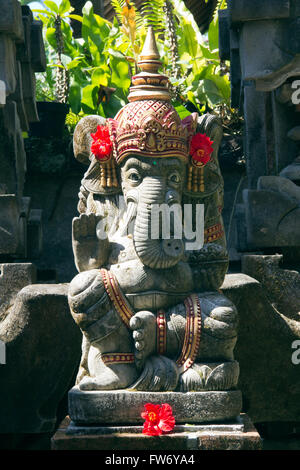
[(209, 267), (210, 264), (90, 252)]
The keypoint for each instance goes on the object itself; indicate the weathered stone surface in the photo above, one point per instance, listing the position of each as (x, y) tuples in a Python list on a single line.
[(122, 406), (224, 37), (38, 55), (24, 49), (11, 19), (13, 277), (8, 63), (261, 80), (17, 96), (294, 133), (236, 425), (34, 234), (208, 438), (292, 171), (243, 10), (13, 155), (273, 213), (281, 285), (255, 133), (29, 92), (42, 355), (9, 224), (269, 381)]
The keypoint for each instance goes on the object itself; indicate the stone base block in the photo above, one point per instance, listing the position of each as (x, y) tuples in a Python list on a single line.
[(239, 434), (125, 407)]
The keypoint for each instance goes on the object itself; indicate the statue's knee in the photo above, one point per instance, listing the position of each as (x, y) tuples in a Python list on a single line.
[(85, 290), (225, 314), (219, 314)]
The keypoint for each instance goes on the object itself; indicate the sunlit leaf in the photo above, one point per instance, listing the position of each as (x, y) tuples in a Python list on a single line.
[(51, 5), (89, 98), (120, 73), (51, 37), (213, 34), (75, 17), (75, 97), (64, 7), (100, 76)]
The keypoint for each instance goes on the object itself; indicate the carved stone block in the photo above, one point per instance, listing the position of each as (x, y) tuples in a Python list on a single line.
[(13, 277), (243, 10), (11, 19), (9, 224), (8, 63), (38, 56), (42, 355), (122, 406)]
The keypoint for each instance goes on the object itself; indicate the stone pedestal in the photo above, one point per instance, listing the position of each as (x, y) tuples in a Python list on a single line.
[(111, 420), (238, 434), (125, 407)]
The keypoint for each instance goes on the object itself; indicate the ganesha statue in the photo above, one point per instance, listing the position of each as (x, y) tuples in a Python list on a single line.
[(150, 308)]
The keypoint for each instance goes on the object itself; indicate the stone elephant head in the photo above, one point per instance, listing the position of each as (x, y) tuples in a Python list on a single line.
[(146, 172)]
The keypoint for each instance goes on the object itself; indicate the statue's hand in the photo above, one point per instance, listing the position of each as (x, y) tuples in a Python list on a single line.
[(89, 251)]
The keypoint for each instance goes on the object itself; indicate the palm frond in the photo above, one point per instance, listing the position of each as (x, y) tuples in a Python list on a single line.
[(153, 14), (118, 6)]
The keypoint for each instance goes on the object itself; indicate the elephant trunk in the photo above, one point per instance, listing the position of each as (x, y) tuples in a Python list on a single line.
[(154, 253)]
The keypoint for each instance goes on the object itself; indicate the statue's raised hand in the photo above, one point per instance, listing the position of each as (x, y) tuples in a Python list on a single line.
[(90, 252)]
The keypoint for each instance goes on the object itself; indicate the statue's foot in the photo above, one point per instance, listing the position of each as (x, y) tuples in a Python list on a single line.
[(210, 377), (143, 325), (114, 377)]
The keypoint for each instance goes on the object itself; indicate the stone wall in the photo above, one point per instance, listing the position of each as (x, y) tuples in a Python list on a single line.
[(40, 343), (21, 55)]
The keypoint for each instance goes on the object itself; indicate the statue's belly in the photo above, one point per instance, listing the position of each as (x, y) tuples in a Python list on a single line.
[(152, 289)]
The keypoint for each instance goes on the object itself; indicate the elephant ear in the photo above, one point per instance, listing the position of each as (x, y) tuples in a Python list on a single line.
[(100, 178), (211, 126), (82, 139)]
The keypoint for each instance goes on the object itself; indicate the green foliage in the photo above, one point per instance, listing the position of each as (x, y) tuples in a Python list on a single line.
[(153, 12), (101, 63)]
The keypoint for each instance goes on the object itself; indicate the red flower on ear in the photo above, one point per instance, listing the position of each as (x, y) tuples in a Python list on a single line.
[(201, 149), (159, 419), (102, 145)]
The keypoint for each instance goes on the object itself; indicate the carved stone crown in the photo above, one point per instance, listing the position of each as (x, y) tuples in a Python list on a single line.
[(151, 128)]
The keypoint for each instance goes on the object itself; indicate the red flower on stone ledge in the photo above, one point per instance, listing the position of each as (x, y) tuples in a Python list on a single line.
[(159, 419), (201, 149), (102, 145)]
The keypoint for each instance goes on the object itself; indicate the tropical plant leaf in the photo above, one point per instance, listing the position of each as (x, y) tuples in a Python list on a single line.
[(51, 5), (75, 97), (120, 73), (153, 14), (75, 17), (113, 106), (90, 98), (188, 41), (118, 6), (100, 76), (64, 7), (51, 37), (44, 12), (213, 34), (181, 110)]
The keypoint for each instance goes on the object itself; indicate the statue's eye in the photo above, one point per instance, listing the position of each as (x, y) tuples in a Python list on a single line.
[(174, 178), (134, 177)]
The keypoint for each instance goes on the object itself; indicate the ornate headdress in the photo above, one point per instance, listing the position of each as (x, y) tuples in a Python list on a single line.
[(148, 126)]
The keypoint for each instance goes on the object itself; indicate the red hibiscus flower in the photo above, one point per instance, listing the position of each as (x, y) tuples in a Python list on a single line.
[(159, 419), (102, 145), (201, 149)]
